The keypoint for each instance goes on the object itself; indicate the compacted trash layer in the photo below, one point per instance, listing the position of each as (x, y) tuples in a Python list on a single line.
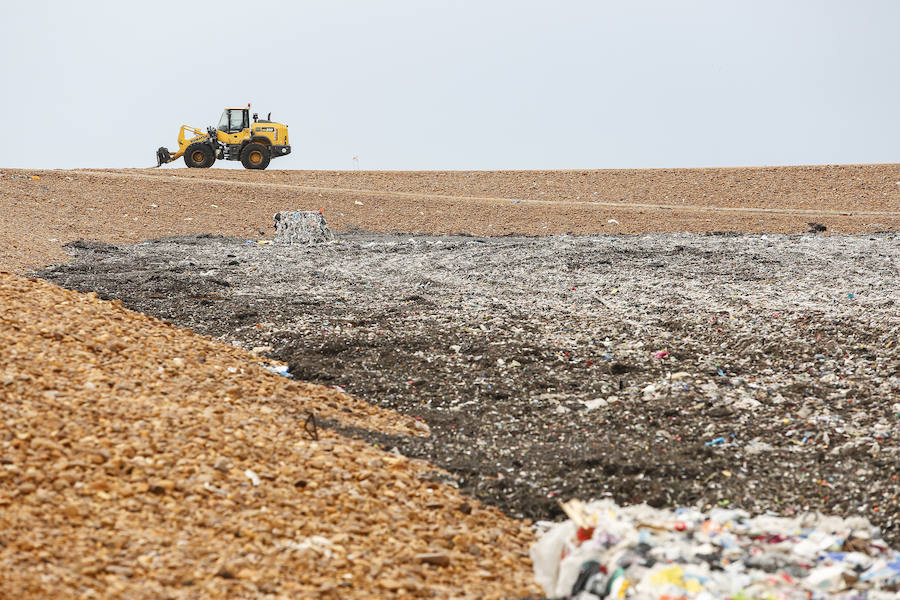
[(607, 551), (751, 371)]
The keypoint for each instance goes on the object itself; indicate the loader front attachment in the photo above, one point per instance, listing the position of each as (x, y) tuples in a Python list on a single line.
[(163, 155)]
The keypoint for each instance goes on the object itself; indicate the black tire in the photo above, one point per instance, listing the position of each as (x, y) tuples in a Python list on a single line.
[(199, 156), (255, 156)]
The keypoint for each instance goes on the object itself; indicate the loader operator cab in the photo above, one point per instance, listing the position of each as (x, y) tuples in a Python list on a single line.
[(234, 120)]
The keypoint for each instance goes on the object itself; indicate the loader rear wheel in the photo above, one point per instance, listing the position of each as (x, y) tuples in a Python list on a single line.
[(255, 156), (199, 156)]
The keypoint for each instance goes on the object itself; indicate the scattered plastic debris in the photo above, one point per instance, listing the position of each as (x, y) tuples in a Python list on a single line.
[(278, 370), (321, 545), (607, 551), (595, 403), (252, 476)]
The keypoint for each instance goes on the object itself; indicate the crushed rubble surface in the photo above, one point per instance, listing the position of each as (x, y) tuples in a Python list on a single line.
[(755, 371), (143, 461)]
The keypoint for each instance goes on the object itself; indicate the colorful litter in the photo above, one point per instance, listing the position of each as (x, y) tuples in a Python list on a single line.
[(608, 551)]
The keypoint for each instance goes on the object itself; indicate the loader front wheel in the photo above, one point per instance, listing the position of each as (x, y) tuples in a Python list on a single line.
[(199, 156), (255, 156)]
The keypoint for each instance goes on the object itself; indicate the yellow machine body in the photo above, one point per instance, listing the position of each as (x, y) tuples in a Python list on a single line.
[(235, 138), (230, 131)]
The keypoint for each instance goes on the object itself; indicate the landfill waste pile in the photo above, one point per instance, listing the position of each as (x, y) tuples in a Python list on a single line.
[(301, 227), (608, 551), (138, 460), (676, 370)]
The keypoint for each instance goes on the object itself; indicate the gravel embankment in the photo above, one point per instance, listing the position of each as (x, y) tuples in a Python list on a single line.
[(139, 460)]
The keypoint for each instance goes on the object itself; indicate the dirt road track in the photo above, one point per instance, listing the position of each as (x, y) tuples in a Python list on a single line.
[(126, 206)]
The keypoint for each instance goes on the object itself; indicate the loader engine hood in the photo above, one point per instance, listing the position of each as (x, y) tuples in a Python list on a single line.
[(277, 133)]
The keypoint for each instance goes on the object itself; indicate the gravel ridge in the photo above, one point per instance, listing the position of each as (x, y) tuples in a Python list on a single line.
[(140, 460)]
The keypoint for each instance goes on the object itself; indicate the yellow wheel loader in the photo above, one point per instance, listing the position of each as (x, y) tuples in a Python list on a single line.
[(236, 138)]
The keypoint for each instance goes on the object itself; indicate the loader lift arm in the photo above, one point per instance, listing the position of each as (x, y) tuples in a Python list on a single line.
[(163, 155)]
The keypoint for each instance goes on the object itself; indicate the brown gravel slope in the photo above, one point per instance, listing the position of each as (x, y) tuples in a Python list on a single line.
[(830, 187), (126, 206), (139, 460)]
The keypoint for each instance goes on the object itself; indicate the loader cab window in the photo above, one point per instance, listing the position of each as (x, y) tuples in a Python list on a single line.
[(233, 121)]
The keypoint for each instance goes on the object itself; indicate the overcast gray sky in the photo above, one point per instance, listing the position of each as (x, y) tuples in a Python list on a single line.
[(474, 84)]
